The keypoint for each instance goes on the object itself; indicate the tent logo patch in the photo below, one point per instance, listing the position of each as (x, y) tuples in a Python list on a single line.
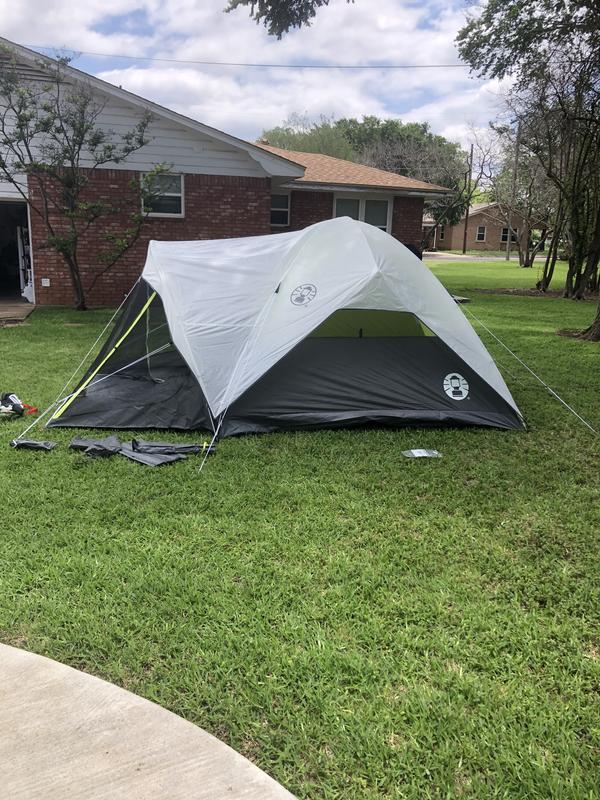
[(455, 386), (303, 294)]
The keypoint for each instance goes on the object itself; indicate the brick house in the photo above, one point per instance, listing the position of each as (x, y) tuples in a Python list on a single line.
[(218, 186), (487, 229), (332, 187)]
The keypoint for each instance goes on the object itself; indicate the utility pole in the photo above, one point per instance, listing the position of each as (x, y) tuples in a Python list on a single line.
[(513, 190), (468, 182)]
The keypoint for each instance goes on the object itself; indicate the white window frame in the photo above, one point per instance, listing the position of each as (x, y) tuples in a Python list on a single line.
[(442, 233), (477, 239), (289, 209), (362, 201), (513, 237), (164, 214)]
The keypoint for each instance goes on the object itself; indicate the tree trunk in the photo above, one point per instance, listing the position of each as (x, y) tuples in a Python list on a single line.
[(548, 273), (575, 285), (578, 236), (593, 260), (78, 289), (464, 246), (525, 259), (428, 238), (592, 333)]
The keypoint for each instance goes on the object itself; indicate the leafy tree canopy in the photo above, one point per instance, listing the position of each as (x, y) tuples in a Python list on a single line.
[(279, 16), (409, 149), (513, 36), (50, 134), (299, 133)]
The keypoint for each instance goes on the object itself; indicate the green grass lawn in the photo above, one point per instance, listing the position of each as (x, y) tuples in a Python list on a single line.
[(495, 274), (358, 624), (514, 255)]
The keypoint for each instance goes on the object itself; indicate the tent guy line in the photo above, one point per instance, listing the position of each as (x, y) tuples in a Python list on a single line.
[(535, 375)]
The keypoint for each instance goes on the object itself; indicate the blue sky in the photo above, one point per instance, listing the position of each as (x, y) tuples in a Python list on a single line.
[(245, 101)]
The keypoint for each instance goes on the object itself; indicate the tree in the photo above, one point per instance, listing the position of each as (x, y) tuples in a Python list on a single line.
[(564, 133), (280, 16), (519, 184), (409, 149), (516, 37), (51, 146), (552, 50), (299, 133)]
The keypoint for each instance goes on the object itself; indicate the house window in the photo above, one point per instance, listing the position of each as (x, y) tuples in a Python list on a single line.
[(374, 211), (504, 237), (280, 210), (480, 233), (166, 195), (347, 208), (442, 232)]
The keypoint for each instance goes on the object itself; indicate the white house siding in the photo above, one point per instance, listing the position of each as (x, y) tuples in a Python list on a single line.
[(9, 192), (183, 149)]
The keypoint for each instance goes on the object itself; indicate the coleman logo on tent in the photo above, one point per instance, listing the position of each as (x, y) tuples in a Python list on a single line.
[(455, 386), (302, 295)]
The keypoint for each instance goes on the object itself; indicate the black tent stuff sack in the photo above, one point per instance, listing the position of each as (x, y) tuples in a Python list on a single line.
[(97, 448), (31, 444), (166, 448), (150, 459), (10, 405)]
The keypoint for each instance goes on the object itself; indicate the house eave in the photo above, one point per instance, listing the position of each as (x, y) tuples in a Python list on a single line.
[(315, 186)]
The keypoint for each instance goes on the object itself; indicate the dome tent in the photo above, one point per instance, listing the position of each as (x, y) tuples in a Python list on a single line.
[(334, 325)]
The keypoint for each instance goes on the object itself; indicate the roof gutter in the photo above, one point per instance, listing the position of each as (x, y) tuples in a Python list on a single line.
[(349, 187)]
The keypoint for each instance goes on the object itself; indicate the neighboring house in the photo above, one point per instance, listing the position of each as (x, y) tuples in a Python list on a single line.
[(219, 186), (487, 229)]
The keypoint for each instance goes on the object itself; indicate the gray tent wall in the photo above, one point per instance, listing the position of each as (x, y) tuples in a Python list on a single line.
[(359, 367), (124, 389)]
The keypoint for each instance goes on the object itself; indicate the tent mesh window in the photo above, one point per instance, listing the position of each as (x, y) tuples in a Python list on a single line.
[(361, 323)]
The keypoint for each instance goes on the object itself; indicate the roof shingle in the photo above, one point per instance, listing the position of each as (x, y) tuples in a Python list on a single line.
[(321, 169)]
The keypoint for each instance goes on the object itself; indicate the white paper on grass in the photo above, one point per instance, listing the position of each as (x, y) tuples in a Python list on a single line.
[(421, 454), (228, 302)]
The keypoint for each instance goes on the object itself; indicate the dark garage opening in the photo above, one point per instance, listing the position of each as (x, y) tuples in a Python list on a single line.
[(14, 250)]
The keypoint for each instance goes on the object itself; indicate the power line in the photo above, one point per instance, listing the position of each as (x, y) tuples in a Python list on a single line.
[(259, 66)]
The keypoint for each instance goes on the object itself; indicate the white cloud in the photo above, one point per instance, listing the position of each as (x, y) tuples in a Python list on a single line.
[(456, 116), (244, 101), (63, 23)]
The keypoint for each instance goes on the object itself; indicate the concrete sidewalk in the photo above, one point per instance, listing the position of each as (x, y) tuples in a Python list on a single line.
[(69, 736)]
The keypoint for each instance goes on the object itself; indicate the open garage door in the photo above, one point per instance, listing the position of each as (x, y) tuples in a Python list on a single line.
[(15, 257)]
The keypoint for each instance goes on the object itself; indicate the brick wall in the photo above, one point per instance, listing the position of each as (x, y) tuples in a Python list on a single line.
[(407, 220), (493, 220), (216, 206), (306, 208)]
